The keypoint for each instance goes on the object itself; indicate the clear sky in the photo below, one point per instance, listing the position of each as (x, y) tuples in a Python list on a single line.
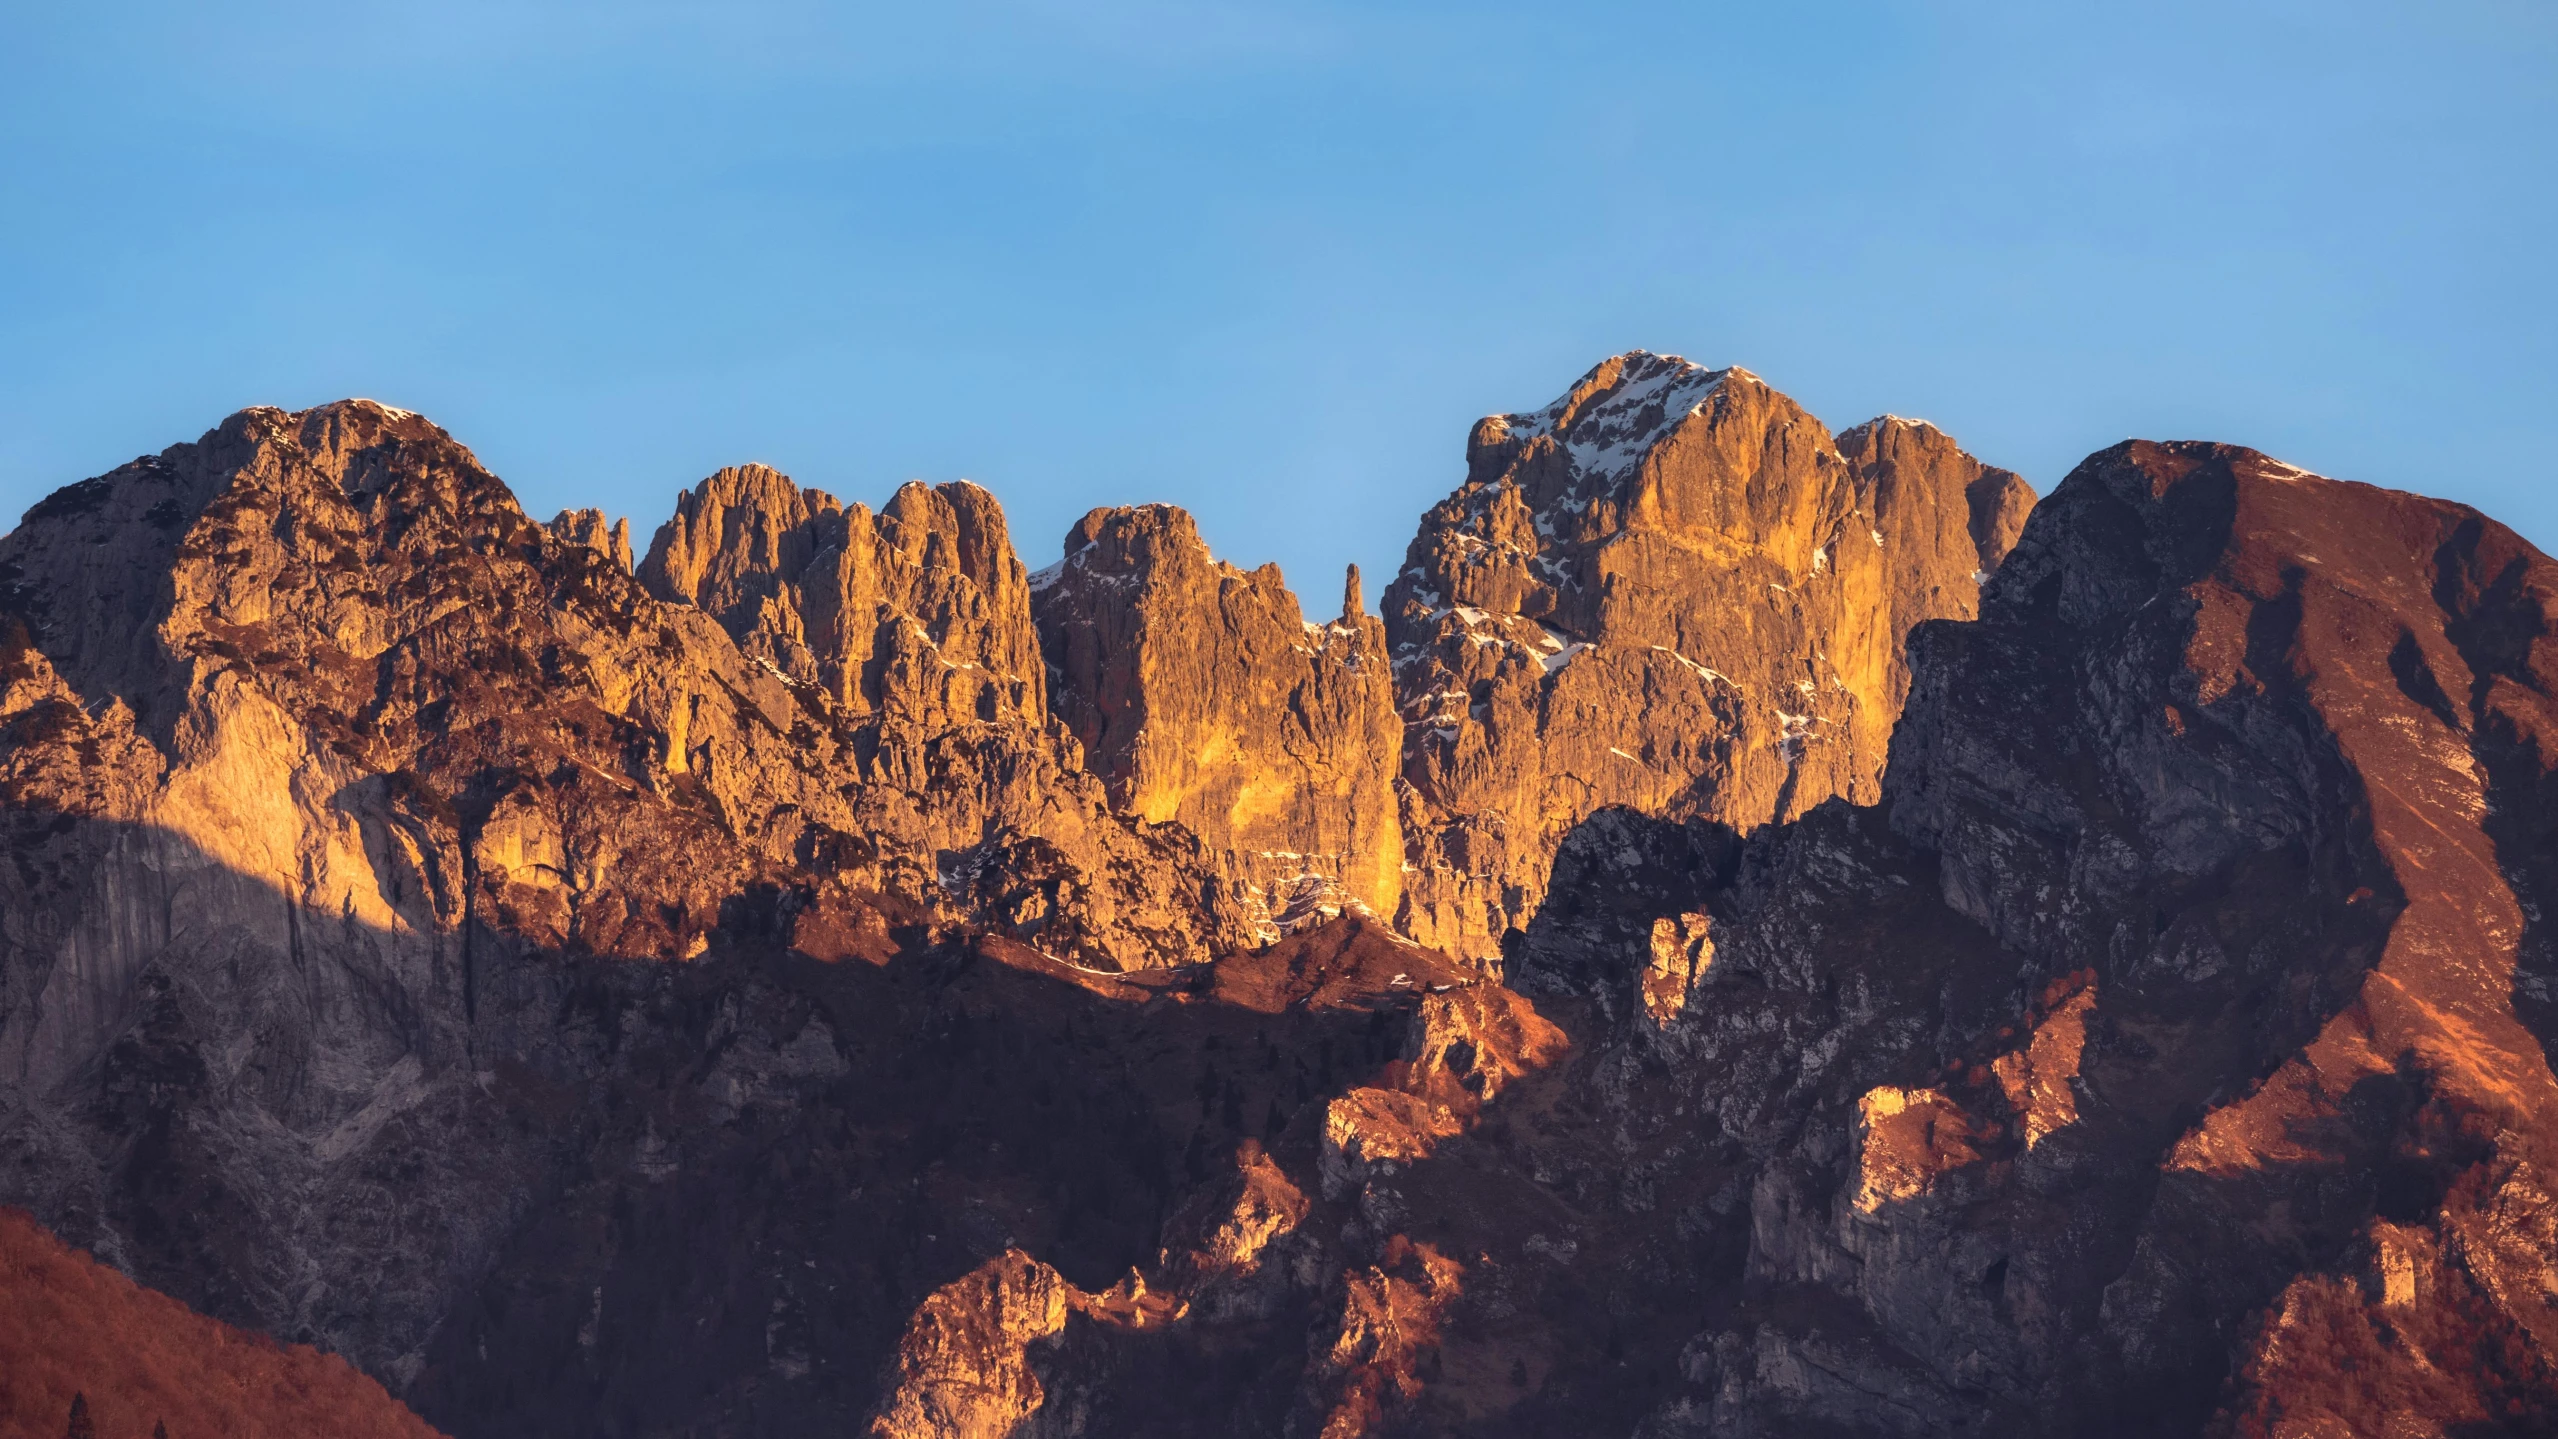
[(1271, 261)]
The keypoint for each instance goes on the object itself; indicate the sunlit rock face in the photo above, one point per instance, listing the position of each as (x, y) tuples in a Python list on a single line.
[(1203, 695), (1673, 590)]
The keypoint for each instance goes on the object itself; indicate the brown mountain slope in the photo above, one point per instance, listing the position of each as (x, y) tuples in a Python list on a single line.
[(71, 1327), (2161, 1069)]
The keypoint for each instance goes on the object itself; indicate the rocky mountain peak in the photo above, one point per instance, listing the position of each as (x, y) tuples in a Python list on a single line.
[(1670, 589)]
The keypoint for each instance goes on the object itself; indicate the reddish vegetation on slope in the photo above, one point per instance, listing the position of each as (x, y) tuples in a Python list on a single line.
[(70, 1326)]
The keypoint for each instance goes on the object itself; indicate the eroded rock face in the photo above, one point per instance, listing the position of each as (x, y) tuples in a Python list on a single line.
[(1203, 695), (1670, 590), (609, 538), (2163, 1053), (921, 609)]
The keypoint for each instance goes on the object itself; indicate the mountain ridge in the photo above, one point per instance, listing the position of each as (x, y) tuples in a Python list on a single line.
[(943, 997)]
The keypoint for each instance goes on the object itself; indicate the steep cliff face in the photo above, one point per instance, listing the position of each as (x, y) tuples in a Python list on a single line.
[(2164, 1052), (1669, 590), (317, 752), (921, 610), (1203, 695)]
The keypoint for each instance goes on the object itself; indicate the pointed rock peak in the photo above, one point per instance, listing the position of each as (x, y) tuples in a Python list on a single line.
[(1103, 520), (958, 523), (1898, 460), (743, 518), (1353, 603), (392, 412), (755, 487), (1202, 694)]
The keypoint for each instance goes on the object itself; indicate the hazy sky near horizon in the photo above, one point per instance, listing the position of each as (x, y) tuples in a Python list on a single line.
[(1271, 261)]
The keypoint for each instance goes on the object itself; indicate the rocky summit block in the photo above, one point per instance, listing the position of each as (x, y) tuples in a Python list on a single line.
[(1203, 695), (1672, 590)]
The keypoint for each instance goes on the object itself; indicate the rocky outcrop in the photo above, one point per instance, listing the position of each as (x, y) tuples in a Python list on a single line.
[(1294, 1291), (1203, 695), (1670, 590), (964, 1369), (921, 611)]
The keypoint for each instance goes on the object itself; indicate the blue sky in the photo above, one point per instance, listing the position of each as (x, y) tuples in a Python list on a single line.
[(1270, 261)]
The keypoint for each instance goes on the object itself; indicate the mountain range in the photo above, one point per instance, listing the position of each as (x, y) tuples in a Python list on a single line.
[(1766, 932)]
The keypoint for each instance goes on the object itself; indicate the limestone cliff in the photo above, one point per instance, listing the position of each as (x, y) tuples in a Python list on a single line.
[(1671, 590), (1203, 695), (611, 539), (2167, 1052), (921, 611)]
